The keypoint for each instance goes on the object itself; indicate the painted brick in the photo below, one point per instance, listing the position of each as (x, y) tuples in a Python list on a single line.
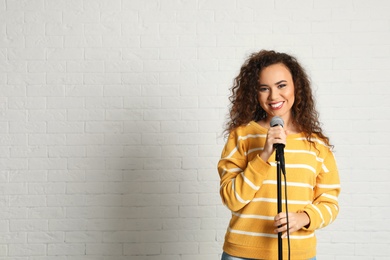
[(112, 116)]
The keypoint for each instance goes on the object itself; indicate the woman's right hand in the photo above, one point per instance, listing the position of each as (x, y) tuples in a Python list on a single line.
[(275, 135)]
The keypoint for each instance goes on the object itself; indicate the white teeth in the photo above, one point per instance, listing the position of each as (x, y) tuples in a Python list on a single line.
[(276, 105)]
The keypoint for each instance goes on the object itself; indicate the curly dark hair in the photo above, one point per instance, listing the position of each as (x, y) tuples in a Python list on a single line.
[(245, 106)]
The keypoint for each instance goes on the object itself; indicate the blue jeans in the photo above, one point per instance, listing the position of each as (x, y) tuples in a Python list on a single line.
[(229, 257)]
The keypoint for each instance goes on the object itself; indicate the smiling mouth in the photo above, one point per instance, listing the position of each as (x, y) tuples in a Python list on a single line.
[(276, 105)]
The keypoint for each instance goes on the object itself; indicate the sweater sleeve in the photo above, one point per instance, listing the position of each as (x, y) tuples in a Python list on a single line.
[(325, 208), (239, 179)]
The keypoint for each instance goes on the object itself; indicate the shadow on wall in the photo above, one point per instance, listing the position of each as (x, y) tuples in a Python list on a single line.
[(172, 198)]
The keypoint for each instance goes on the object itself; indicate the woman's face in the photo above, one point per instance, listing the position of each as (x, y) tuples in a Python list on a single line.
[(276, 91)]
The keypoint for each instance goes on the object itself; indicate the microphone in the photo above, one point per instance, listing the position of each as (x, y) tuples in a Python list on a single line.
[(275, 121)]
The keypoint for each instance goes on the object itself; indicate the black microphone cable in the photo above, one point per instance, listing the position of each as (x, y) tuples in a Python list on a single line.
[(288, 225)]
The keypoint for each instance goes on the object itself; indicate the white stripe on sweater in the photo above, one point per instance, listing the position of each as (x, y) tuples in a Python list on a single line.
[(305, 151), (247, 181), (296, 202), (251, 136), (257, 234), (297, 166), (322, 217), (330, 213), (292, 184), (328, 186), (329, 196), (252, 216), (238, 196)]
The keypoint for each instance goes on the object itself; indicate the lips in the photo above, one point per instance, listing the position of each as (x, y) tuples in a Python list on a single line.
[(277, 105)]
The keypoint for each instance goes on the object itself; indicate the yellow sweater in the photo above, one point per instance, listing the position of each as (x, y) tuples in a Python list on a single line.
[(248, 189)]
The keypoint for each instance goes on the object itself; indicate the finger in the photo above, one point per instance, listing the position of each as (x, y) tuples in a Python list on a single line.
[(280, 226), (278, 140), (279, 216), (280, 222), (281, 229)]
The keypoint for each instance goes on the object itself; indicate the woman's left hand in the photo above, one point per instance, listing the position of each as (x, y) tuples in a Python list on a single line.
[(296, 222)]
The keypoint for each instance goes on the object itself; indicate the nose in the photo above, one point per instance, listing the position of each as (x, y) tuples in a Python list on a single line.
[(273, 94)]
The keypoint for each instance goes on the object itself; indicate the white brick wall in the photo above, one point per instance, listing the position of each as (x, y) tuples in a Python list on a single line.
[(111, 114)]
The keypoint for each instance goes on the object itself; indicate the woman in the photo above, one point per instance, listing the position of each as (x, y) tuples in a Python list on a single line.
[(274, 84)]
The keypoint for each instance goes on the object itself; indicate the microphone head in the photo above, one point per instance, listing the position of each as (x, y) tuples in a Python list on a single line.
[(276, 120)]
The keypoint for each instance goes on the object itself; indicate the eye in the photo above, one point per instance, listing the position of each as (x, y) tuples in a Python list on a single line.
[(282, 86), (262, 89)]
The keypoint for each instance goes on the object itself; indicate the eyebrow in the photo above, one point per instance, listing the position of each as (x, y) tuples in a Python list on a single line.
[(277, 83)]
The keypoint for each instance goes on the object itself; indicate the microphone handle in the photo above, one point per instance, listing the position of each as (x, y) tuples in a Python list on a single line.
[(280, 155)]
